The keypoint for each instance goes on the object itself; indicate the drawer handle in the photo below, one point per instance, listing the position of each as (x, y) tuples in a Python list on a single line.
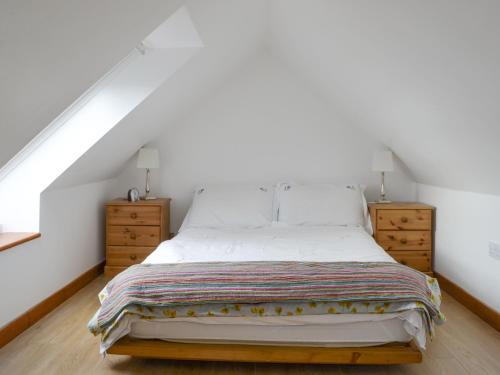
[(391, 237), (133, 257), (403, 262), (133, 215), (404, 219), (132, 236), (403, 241)]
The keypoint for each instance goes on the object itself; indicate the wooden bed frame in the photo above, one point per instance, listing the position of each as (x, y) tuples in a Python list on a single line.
[(389, 354)]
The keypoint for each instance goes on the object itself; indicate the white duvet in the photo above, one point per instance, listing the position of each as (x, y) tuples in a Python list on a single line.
[(274, 243)]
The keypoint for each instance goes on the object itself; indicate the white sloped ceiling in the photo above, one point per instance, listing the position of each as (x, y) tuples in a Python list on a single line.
[(231, 32), (52, 51), (421, 76)]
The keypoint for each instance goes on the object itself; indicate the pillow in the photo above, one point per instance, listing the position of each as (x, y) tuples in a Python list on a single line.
[(321, 205), (232, 206)]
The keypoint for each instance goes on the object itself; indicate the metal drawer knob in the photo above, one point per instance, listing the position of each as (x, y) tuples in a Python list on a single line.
[(403, 262), (132, 236), (403, 241), (133, 215), (133, 257), (404, 219)]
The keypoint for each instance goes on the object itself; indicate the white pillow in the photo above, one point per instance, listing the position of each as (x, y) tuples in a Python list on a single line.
[(231, 206), (321, 205)]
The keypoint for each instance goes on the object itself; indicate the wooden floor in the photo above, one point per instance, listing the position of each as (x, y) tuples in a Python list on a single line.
[(61, 344)]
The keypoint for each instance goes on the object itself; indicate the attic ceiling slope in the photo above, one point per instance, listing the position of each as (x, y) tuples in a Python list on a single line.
[(229, 43), (52, 51), (91, 116), (422, 77)]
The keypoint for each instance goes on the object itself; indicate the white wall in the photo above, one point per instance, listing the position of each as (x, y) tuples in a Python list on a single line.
[(465, 223), (72, 227), (262, 126)]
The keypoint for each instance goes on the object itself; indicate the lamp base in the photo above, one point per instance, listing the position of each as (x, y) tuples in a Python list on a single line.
[(384, 201)]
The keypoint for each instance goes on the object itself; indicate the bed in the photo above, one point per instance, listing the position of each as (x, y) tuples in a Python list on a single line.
[(300, 330)]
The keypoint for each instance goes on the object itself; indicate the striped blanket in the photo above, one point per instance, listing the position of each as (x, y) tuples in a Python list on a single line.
[(145, 289)]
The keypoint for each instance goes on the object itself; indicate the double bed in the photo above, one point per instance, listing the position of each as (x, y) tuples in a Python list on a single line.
[(374, 328)]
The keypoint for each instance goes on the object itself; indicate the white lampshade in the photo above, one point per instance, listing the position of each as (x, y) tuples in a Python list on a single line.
[(148, 158), (382, 161)]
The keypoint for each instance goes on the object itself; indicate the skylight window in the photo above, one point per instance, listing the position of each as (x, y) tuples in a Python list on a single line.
[(90, 117)]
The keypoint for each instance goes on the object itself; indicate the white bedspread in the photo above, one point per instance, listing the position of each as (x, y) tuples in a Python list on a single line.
[(297, 243)]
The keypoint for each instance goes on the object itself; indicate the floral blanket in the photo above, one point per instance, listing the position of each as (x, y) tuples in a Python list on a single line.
[(155, 291)]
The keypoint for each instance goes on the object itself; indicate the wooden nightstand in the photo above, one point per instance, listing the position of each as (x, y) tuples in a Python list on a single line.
[(133, 231), (405, 231)]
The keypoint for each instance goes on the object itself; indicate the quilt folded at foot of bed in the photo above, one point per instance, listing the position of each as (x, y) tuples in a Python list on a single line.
[(155, 291)]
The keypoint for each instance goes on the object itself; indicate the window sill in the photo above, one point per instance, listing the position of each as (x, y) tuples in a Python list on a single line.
[(11, 239)]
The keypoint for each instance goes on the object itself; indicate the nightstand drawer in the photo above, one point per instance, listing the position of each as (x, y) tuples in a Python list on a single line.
[(133, 215), (404, 219), (419, 260), (133, 235), (404, 239), (127, 255)]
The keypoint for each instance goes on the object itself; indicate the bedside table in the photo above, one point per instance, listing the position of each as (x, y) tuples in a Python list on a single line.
[(405, 231), (133, 231)]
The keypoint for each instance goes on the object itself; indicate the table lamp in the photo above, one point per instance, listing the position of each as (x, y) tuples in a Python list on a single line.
[(148, 158), (383, 162)]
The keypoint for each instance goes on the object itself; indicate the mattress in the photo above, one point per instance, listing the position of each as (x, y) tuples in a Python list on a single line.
[(313, 330), (276, 243)]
